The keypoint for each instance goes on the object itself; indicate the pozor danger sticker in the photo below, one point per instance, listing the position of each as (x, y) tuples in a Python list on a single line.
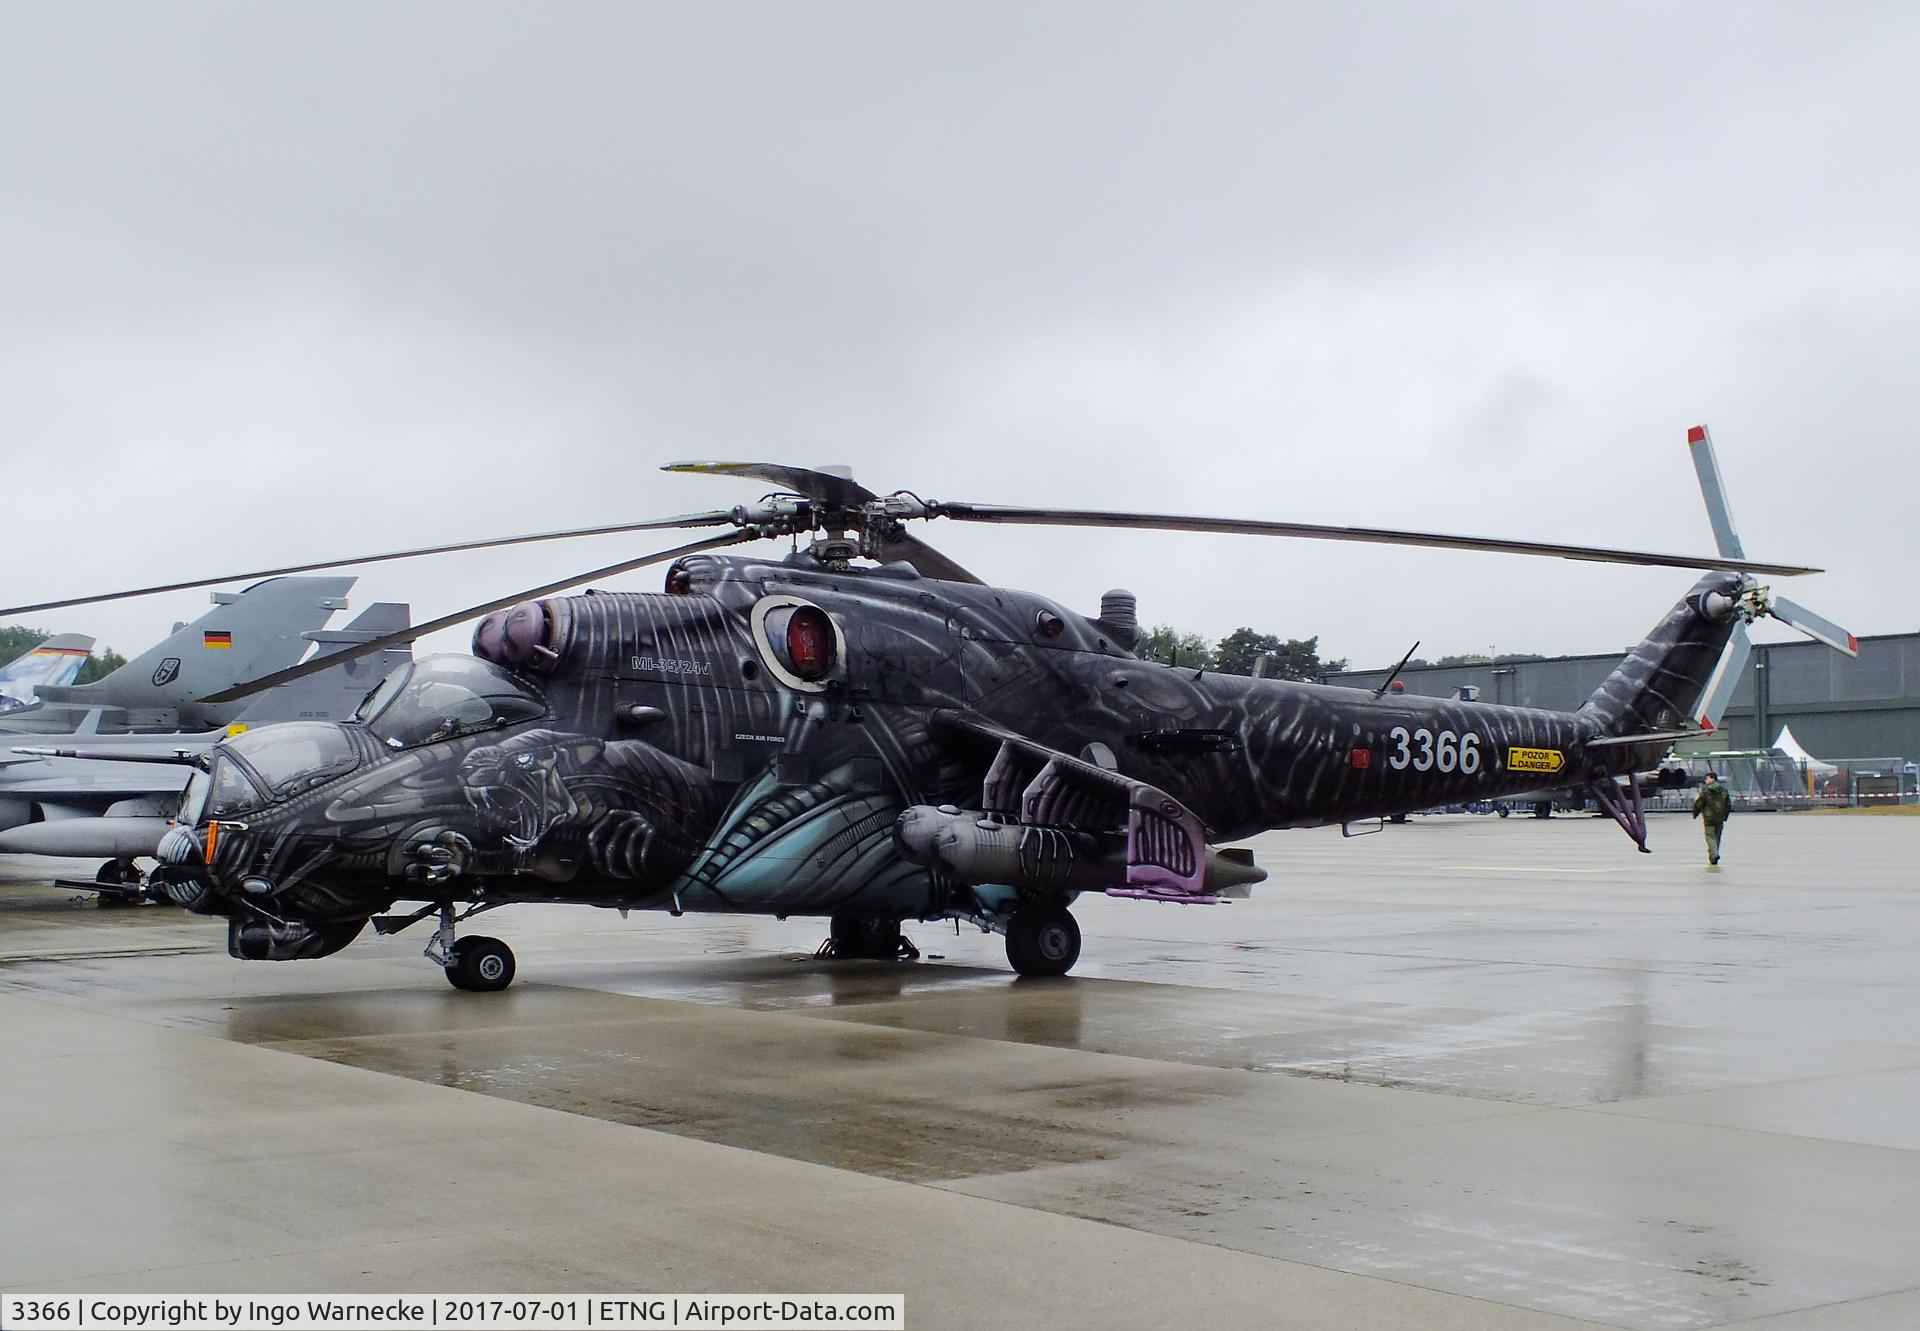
[(1535, 760)]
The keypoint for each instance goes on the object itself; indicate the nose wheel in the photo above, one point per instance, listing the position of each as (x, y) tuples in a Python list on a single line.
[(480, 965), (120, 883)]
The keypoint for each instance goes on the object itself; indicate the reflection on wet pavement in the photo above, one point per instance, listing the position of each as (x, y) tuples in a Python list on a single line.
[(1504, 1059)]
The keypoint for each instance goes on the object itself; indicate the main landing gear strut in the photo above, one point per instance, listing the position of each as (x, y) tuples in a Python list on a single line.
[(868, 937), (1042, 939)]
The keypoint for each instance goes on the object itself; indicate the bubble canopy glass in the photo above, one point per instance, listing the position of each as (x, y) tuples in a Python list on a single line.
[(441, 697)]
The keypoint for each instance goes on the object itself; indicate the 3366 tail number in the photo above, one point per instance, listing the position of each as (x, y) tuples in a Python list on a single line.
[(1424, 751)]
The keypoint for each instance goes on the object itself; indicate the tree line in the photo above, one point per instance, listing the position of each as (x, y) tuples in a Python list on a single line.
[(17, 640), (1292, 658), (1238, 653), (1478, 659)]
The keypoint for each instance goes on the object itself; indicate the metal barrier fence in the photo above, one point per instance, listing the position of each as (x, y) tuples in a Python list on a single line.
[(1775, 781)]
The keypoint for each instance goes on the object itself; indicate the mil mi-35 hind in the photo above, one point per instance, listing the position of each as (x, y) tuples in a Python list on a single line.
[(811, 735), (115, 794)]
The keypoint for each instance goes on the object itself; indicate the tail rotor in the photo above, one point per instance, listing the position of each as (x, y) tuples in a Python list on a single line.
[(1758, 600)]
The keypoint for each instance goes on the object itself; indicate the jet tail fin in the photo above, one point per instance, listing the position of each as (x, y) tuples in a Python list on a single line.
[(247, 633), (332, 695), (50, 664)]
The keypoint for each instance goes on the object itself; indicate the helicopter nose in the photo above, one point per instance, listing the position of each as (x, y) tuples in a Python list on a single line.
[(183, 876), (179, 848)]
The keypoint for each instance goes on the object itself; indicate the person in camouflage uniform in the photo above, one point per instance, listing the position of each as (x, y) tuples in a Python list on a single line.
[(1712, 805)]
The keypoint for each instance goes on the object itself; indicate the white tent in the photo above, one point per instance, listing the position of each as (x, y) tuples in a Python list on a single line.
[(1785, 743)]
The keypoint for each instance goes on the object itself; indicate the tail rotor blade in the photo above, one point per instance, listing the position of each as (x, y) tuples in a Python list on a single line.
[(1725, 677), (1814, 626), (316, 664), (1712, 489)]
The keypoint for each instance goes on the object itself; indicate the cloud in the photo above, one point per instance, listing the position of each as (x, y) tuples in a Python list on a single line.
[(305, 279)]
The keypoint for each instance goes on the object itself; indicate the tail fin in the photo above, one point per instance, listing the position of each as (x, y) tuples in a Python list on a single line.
[(248, 633), (51, 664), (1656, 687), (332, 695)]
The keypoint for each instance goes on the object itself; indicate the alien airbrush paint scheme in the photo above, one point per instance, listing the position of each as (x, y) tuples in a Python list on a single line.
[(791, 738), (862, 730)]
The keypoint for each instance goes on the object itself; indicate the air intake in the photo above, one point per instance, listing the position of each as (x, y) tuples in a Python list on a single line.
[(1119, 616)]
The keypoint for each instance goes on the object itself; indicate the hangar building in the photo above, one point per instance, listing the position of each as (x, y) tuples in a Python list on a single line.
[(1838, 707)]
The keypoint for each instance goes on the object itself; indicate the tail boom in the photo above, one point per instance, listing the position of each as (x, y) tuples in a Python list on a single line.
[(1660, 684)]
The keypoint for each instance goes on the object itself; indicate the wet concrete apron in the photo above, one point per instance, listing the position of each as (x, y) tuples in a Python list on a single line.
[(1512, 1061)]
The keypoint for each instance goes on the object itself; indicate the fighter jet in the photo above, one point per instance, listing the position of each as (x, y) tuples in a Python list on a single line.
[(116, 800), (247, 634)]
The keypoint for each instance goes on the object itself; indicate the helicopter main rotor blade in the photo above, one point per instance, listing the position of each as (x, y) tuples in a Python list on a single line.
[(314, 665), (715, 518), (1071, 517), (820, 486), (926, 560)]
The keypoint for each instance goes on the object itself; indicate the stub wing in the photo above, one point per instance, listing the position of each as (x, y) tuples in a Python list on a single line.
[(1051, 820)]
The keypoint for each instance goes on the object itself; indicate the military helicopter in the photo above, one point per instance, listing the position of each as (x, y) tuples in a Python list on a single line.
[(859, 729)]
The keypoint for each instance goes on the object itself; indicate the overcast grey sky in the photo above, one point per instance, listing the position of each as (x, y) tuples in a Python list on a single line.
[(286, 280)]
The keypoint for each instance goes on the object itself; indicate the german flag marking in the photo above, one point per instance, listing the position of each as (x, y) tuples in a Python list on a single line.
[(216, 638)]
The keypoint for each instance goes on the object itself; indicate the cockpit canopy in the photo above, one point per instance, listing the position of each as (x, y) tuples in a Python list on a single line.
[(442, 697), (265, 766)]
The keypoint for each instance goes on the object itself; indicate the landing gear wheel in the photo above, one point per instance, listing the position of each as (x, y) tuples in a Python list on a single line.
[(1543, 809), (121, 883), (481, 965), (1505, 811), (1043, 940), (867, 937)]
